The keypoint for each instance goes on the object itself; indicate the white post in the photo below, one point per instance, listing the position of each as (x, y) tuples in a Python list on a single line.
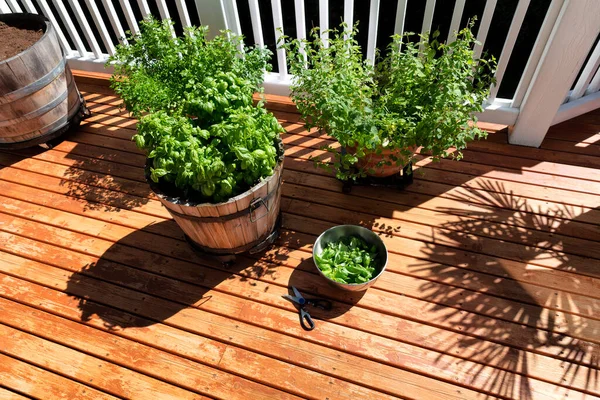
[(562, 59)]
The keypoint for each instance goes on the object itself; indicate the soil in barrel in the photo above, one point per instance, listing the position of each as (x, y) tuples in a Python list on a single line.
[(16, 38)]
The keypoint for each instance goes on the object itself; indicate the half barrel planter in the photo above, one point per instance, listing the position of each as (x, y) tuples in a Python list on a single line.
[(248, 222), (39, 99)]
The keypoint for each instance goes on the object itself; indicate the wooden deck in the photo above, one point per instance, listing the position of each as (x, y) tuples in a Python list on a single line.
[(492, 288)]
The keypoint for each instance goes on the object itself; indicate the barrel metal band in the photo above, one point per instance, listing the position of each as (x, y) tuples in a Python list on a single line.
[(39, 111), (34, 86), (255, 204)]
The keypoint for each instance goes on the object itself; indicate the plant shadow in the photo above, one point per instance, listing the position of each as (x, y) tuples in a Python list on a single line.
[(538, 288), (151, 278)]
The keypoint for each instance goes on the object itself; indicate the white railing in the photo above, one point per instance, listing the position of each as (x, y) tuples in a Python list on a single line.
[(557, 58)]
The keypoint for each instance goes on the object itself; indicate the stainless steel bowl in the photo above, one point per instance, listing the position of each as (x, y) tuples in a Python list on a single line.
[(335, 234)]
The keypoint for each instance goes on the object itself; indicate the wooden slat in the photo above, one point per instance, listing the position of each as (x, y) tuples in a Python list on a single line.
[(307, 383), (292, 320), (80, 367), (491, 287), (179, 371), (6, 394), (38, 383)]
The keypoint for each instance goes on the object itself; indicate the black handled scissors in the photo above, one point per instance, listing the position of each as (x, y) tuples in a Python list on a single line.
[(306, 320)]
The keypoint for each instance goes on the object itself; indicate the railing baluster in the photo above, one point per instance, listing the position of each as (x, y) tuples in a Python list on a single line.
[(536, 52), (129, 16), (373, 25), (162, 9), (29, 7), (278, 25), (97, 17), (233, 17), (114, 20), (400, 17), (183, 13), (164, 12), (509, 44), (428, 17), (594, 84), (324, 21), (256, 23), (87, 30), (4, 8), (300, 23), (144, 8), (62, 12), (61, 36), (459, 7), (15, 6), (587, 74), (484, 27), (349, 12)]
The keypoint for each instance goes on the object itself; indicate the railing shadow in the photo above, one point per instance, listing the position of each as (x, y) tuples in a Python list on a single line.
[(555, 312), (105, 191)]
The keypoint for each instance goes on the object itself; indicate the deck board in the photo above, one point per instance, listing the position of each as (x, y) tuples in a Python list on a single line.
[(492, 288)]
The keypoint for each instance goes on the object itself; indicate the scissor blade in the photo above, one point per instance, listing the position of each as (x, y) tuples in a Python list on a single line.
[(296, 292), (292, 298)]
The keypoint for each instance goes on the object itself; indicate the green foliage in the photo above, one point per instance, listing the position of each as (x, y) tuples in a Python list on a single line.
[(349, 260), (423, 95), (198, 122)]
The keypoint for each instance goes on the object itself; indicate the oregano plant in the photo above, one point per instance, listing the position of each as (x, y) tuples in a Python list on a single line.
[(205, 137), (420, 93)]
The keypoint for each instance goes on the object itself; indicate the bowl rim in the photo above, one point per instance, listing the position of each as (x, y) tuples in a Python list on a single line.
[(349, 284)]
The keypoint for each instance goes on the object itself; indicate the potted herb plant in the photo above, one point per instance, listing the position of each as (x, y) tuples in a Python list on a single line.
[(419, 95), (214, 156)]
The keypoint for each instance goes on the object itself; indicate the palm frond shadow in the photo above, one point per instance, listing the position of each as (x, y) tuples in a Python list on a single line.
[(553, 319)]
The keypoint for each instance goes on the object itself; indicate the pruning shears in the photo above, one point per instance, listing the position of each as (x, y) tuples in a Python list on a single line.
[(306, 320)]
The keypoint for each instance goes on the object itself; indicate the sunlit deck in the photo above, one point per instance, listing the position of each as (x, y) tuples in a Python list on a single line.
[(492, 288)]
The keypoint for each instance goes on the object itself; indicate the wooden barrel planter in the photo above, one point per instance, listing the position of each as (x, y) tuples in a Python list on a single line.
[(248, 222), (39, 99)]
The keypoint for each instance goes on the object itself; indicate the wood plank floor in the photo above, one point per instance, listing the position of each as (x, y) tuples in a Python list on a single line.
[(492, 288)]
